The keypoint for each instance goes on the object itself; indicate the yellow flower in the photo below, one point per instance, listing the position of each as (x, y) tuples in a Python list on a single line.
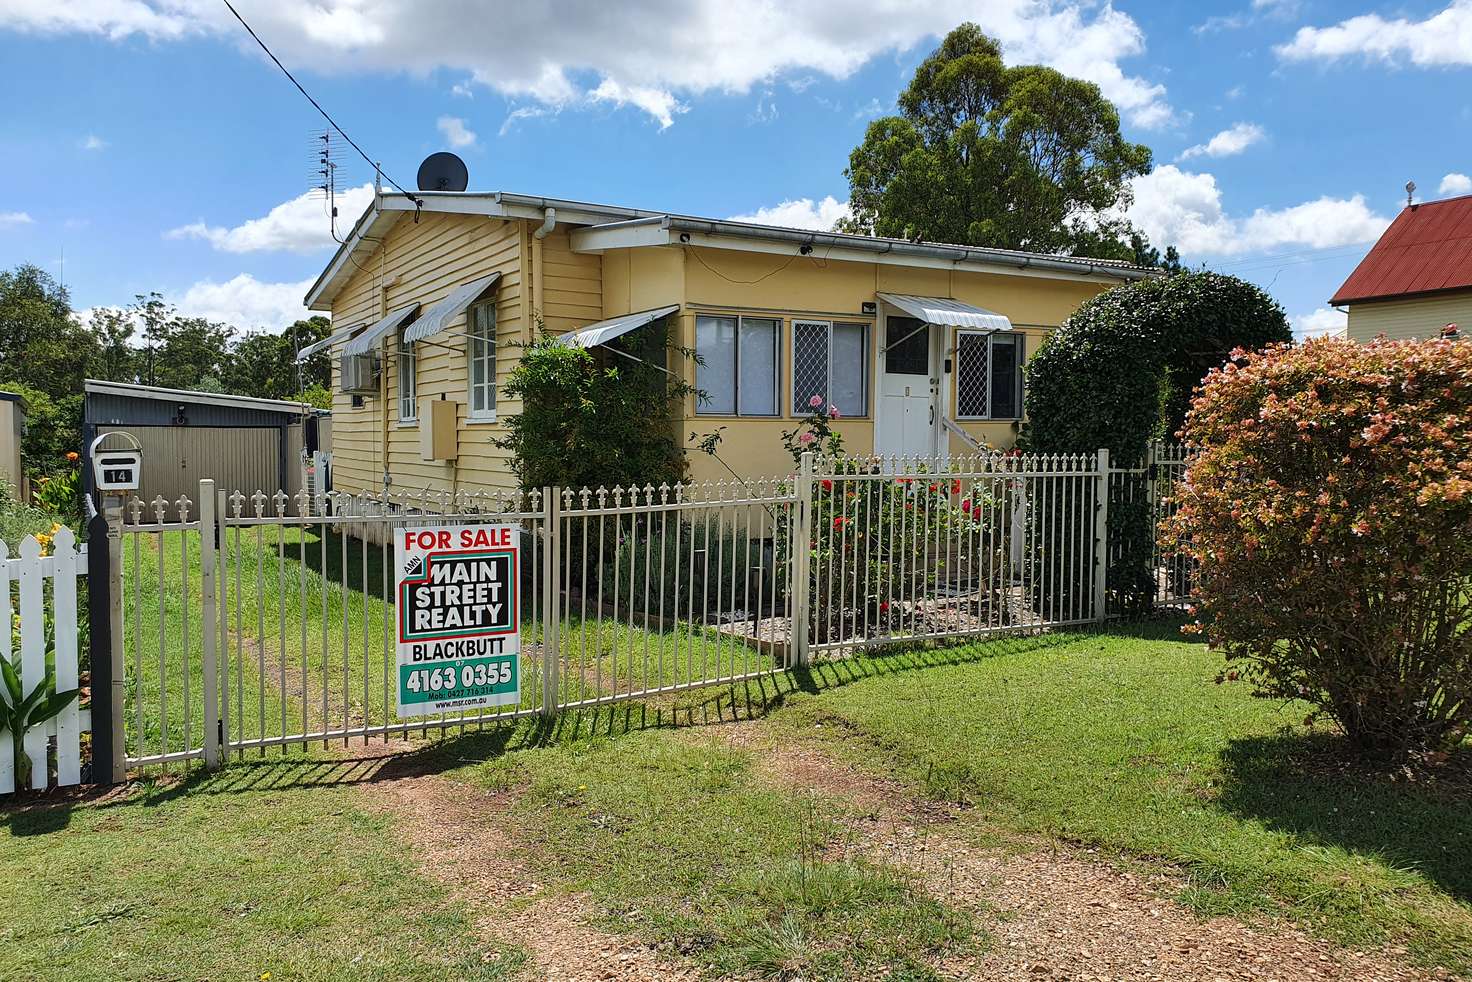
[(265, 976)]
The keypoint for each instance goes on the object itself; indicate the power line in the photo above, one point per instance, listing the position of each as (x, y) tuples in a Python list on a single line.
[(318, 106)]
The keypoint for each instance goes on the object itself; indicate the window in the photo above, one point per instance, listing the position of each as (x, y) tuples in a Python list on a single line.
[(906, 346), (988, 375), (408, 383), (738, 366), (480, 349), (832, 361)]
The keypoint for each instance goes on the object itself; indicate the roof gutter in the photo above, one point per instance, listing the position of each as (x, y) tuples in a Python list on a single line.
[(919, 249)]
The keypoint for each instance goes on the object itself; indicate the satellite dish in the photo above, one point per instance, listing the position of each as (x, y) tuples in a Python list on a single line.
[(443, 171)]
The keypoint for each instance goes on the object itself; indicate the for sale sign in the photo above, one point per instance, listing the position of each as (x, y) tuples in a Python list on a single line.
[(459, 642)]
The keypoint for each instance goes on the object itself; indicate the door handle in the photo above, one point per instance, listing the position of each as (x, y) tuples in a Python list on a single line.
[(932, 414)]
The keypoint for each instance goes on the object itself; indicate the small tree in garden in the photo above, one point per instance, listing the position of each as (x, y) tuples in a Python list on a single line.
[(1329, 507)]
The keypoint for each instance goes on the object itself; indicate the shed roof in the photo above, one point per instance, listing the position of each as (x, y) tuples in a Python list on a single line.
[(132, 391), (1428, 248)]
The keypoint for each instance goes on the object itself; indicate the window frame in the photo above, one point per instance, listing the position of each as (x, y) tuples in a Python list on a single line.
[(472, 340), (801, 408), (740, 320), (406, 353), (1020, 340)]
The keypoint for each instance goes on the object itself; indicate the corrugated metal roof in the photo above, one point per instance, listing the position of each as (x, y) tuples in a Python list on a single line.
[(943, 310), (605, 331), (1427, 248), (368, 340), (438, 317)]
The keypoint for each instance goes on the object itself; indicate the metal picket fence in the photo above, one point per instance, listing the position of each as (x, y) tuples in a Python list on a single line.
[(256, 622)]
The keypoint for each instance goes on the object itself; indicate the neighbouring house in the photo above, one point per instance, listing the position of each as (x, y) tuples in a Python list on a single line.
[(12, 433), (244, 443), (920, 345), (1418, 277)]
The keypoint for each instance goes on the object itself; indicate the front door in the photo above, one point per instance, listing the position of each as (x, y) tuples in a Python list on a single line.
[(906, 389)]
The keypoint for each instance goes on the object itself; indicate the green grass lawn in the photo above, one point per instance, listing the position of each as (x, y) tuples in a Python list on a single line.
[(684, 843), (1124, 741), (1118, 740), (225, 878)]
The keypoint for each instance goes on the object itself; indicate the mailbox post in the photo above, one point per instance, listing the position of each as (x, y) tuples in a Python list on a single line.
[(115, 474)]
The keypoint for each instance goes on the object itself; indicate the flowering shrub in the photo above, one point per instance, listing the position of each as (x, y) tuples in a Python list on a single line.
[(1329, 509)]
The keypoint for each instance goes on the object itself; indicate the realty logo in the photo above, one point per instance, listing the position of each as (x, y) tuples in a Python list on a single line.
[(458, 595)]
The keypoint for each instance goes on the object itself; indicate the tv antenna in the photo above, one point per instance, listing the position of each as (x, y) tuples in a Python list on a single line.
[(329, 150), (1410, 193)]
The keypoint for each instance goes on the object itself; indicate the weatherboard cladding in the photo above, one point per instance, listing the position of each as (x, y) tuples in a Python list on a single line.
[(1427, 248)]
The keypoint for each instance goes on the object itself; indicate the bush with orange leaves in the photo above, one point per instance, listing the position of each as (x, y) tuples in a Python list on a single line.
[(1328, 507)]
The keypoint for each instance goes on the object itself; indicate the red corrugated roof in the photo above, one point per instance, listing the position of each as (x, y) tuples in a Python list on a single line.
[(1428, 247)]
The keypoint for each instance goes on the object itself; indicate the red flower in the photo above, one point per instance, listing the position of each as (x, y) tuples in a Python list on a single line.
[(934, 487), (966, 506), (826, 484), (956, 486), (838, 522)]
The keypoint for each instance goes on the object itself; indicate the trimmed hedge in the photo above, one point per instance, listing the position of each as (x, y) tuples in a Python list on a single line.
[(1121, 371)]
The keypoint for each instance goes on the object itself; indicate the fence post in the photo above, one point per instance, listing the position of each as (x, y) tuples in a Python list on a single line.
[(105, 621), (800, 561), (1101, 535), (551, 601), (208, 547)]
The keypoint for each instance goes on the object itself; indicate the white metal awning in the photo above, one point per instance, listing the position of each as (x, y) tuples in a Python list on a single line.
[(605, 331), (953, 313), (438, 317), (335, 338), (368, 339)]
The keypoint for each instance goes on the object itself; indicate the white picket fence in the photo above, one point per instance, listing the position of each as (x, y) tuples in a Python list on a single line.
[(31, 585)]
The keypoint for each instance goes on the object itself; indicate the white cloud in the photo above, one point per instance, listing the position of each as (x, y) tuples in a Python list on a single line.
[(820, 216), (872, 109), (1184, 209), (651, 54), (518, 114), (246, 303), (1444, 38), (463, 89), (1228, 142), (653, 100), (1319, 322), (298, 225), (455, 132), (8, 218), (94, 142), (1455, 183)]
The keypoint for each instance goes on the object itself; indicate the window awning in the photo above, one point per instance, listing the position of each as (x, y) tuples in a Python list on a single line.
[(605, 331), (953, 313), (438, 317), (368, 339), (335, 338)]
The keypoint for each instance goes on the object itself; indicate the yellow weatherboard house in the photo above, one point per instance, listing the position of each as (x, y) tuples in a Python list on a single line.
[(920, 345)]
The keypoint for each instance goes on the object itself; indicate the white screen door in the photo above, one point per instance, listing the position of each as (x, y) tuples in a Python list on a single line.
[(906, 393)]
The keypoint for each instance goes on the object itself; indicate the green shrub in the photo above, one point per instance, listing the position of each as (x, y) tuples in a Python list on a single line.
[(595, 419), (1120, 372), (18, 519), (1329, 507)]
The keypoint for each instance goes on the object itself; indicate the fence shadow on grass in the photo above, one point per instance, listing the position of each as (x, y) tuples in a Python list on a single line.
[(376, 761), (1303, 785)]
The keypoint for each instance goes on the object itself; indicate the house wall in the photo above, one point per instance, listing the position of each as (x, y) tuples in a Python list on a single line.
[(1416, 317), (423, 262), (12, 429), (545, 280), (726, 281)]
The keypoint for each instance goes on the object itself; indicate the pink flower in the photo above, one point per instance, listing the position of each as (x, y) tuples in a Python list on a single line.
[(815, 401), (833, 412), (805, 438)]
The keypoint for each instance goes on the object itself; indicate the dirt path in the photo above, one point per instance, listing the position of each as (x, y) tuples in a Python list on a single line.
[(463, 838), (1057, 912)]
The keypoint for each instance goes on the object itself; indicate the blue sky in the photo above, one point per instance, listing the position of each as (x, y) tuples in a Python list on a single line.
[(154, 148)]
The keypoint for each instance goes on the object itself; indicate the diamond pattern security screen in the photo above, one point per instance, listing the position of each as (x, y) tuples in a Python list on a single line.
[(809, 363), (972, 375)]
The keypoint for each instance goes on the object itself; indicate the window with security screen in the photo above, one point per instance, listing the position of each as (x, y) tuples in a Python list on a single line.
[(988, 376), (830, 361)]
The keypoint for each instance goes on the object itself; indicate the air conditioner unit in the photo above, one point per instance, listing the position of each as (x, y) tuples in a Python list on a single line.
[(358, 374)]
